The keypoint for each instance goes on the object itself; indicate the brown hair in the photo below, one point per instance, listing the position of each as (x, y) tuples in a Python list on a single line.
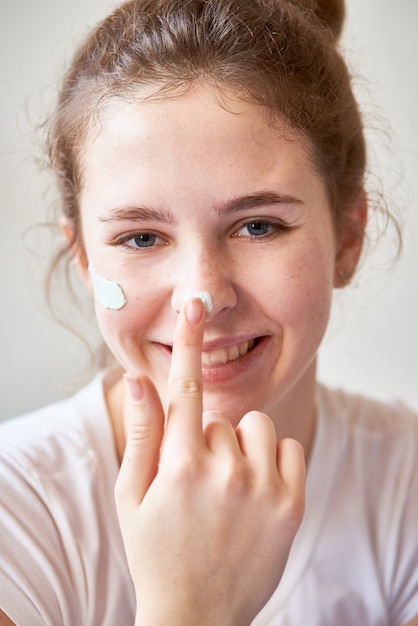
[(282, 54)]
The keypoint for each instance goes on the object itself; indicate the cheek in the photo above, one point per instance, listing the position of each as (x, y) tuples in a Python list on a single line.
[(300, 293), (123, 329), (145, 316), (122, 301), (311, 314), (128, 319), (119, 329)]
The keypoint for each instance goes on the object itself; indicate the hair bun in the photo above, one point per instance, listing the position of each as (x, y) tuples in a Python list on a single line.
[(331, 13)]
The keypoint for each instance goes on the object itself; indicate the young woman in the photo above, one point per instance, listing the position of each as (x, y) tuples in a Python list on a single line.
[(210, 156)]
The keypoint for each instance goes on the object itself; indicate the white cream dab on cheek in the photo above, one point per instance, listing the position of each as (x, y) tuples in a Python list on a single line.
[(206, 299), (108, 293)]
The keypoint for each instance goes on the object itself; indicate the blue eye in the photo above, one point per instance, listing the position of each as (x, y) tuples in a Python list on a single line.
[(262, 229), (142, 240), (258, 228)]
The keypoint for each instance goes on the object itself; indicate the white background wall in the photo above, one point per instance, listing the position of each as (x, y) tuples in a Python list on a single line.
[(372, 344)]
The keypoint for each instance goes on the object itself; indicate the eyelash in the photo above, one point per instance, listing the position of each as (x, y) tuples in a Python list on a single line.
[(124, 241), (275, 228)]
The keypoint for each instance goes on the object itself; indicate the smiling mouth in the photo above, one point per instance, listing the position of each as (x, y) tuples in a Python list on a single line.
[(221, 356)]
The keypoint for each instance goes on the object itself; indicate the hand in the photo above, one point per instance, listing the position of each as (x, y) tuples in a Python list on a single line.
[(208, 513)]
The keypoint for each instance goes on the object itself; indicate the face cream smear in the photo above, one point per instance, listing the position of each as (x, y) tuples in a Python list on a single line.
[(108, 293), (206, 299)]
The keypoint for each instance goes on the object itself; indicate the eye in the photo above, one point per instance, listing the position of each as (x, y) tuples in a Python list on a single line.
[(139, 241), (143, 240), (261, 229), (257, 228)]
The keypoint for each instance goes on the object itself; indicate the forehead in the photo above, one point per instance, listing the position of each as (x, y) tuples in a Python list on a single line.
[(201, 134), (205, 107)]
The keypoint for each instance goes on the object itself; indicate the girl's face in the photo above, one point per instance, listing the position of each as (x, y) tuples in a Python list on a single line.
[(186, 195)]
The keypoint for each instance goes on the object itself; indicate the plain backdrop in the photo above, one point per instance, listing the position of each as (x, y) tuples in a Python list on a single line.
[(372, 343)]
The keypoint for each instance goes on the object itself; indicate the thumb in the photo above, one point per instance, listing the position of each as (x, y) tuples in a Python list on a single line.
[(144, 424)]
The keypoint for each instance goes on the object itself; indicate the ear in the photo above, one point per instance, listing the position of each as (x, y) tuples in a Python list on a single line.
[(350, 240), (76, 249)]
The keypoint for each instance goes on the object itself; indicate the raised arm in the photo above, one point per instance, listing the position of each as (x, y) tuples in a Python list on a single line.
[(208, 514)]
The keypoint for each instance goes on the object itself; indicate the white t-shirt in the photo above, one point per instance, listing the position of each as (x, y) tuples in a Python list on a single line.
[(354, 561)]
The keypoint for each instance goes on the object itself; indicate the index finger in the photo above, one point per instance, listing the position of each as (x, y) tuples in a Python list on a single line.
[(185, 383)]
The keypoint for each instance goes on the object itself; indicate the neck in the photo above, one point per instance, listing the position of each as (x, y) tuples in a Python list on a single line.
[(295, 417)]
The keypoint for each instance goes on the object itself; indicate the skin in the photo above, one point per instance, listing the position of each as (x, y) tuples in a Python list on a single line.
[(184, 172), (174, 468), (196, 456), (175, 471), (227, 205)]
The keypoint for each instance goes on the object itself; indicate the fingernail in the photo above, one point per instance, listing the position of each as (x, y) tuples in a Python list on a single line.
[(206, 299), (135, 389), (194, 311)]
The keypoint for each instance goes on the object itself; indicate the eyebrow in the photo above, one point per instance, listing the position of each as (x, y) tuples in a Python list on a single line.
[(242, 203), (138, 213), (254, 201)]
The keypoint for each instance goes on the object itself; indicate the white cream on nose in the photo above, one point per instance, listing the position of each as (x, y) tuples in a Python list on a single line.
[(206, 299)]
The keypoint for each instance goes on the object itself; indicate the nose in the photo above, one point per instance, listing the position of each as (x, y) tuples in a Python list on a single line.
[(202, 273)]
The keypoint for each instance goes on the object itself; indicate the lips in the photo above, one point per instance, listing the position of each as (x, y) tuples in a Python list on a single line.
[(224, 363), (224, 354)]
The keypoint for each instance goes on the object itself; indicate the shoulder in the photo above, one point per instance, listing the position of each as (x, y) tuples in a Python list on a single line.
[(58, 464), (375, 443), (365, 471), (375, 424), (57, 471), (371, 445), (44, 442), (58, 459)]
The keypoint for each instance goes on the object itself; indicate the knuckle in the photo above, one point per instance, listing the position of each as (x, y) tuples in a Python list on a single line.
[(235, 480), (292, 448), (291, 508), (186, 386), (183, 470), (138, 433), (260, 421), (216, 427), (212, 418), (295, 514)]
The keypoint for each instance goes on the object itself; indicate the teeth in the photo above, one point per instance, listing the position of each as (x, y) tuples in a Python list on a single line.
[(222, 356), (246, 347)]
